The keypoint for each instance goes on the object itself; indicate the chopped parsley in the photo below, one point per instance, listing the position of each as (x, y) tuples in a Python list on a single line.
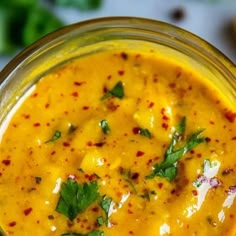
[(105, 205), (105, 127), (38, 179), (168, 167), (76, 198), (91, 233), (55, 136), (145, 133), (100, 221), (116, 91), (2, 233)]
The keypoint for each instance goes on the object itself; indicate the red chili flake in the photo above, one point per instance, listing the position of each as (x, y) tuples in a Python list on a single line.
[(199, 155), (12, 224), (76, 83), (173, 191), (112, 106), (231, 216), (172, 85), (149, 162), (35, 95), (151, 104), (165, 126), (212, 122), (214, 182), (160, 185), (26, 116), (227, 171), (139, 153), (36, 124), (190, 87), (208, 139), (164, 117), (136, 130), (66, 144), (129, 211), (131, 232), (70, 224), (85, 107), (121, 72), (99, 144), (163, 111), (53, 152), (234, 138), (194, 192), (46, 105), (95, 209), (109, 77), (155, 80), (89, 143), (75, 94), (135, 175), (124, 55), (27, 211), (231, 190), (6, 162), (230, 116), (0, 174)]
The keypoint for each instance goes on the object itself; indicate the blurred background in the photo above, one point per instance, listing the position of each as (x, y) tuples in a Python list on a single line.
[(24, 21)]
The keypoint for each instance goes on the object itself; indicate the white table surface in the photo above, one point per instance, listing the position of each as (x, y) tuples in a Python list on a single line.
[(202, 17)]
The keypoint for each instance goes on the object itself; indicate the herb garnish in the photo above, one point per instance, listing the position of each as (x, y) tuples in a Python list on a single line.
[(55, 136), (91, 233), (145, 133), (76, 198), (38, 179), (105, 127), (105, 205), (100, 221), (168, 167), (116, 91), (2, 233)]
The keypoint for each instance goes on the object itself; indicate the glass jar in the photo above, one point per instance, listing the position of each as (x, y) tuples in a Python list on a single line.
[(101, 34), (90, 37)]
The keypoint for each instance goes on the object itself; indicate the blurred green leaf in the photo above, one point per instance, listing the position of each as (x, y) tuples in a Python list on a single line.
[(39, 23), (83, 5)]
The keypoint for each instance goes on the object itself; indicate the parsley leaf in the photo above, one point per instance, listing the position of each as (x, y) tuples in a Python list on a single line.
[(91, 233), (168, 167), (105, 205), (2, 233), (38, 179), (105, 127), (76, 198), (145, 133), (55, 136), (117, 91), (100, 221)]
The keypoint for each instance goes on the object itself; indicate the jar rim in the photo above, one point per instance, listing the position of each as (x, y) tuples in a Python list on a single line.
[(137, 23)]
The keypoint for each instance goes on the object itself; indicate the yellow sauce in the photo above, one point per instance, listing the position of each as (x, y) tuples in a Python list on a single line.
[(68, 104)]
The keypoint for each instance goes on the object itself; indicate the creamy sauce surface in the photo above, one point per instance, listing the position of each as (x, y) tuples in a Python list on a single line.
[(87, 151)]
